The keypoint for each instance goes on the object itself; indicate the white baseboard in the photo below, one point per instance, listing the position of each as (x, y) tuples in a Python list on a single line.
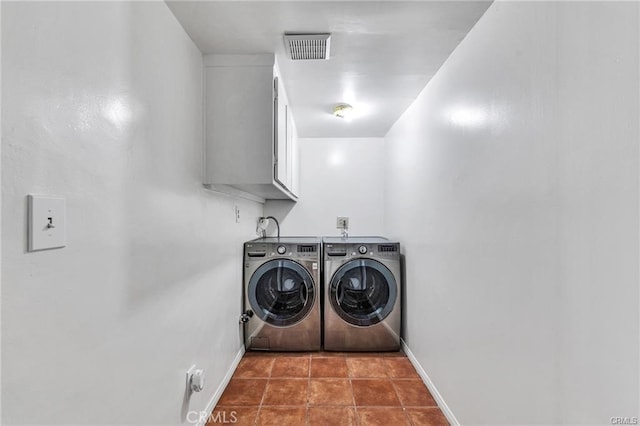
[(218, 393), (432, 388)]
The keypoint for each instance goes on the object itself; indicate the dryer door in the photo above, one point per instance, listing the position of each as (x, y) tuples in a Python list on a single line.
[(363, 292), (281, 292)]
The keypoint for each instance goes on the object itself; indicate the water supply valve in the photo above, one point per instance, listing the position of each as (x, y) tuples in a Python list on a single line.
[(246, 316)]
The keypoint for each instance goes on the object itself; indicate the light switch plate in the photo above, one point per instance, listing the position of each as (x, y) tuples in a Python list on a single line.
[(47, 227)]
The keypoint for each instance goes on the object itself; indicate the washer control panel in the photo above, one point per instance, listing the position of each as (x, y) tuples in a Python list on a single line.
[(258, 251)]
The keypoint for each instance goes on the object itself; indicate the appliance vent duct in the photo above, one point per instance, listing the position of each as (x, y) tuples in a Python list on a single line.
[(307, 46)]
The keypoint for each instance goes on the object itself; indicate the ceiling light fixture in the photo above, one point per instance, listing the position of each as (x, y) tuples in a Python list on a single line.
[(343, 111)]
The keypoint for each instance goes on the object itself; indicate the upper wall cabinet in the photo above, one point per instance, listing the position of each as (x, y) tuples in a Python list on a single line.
[(251, 139)]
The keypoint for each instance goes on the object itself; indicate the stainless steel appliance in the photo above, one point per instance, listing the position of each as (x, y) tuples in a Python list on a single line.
[(361, 294), (282, 294)]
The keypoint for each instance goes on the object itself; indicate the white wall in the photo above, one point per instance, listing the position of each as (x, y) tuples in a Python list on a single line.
[(338, 177), (0, 211), (102, 105), (598, 155), (520, 163)]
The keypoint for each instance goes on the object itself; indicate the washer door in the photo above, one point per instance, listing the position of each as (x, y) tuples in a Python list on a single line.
[(281, 292), (363, 292)]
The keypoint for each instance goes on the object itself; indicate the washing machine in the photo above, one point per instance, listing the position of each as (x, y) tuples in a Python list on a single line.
[(282, 294), (362, 303)]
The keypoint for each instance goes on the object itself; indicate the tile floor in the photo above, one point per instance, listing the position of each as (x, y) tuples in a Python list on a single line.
[(326, 388)]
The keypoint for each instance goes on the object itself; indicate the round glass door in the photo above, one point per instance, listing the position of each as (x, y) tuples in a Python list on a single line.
[(363, 292), (281, 292)]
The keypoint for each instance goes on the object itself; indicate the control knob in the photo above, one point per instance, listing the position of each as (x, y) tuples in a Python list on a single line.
[(362, 249), (281, 249)]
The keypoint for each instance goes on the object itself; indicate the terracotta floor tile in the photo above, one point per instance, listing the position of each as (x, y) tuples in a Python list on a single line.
[(243, 392), (238, 416), (291, 366), (366, 367), (254, 367), (282, 416), (374, 393), (400, 367), (298, 354), (382, 417), (252, 353), (427, 417), (326, 354), (413, 393), (329, 367), (286, 392), (380, 384), (330, 392), (332, 416), (376, 354)]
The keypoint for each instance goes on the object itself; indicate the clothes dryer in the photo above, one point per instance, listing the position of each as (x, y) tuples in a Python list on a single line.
[(362, 300)]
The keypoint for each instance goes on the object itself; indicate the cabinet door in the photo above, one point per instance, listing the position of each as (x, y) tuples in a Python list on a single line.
[(238, 129), (280, 113), (295, 180), (292, 156)]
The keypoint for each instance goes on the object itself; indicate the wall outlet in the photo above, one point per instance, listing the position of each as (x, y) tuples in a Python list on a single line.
[(195, 379), (342, 222), (237, 214)]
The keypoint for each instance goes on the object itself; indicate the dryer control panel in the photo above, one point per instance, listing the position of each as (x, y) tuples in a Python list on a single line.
[(385, 250)]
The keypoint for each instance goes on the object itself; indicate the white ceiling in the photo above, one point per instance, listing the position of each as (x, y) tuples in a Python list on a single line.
[(383, 53)]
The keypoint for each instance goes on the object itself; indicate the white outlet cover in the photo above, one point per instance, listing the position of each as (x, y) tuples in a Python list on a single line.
[(47, 222), (190, 372), (342, 222)]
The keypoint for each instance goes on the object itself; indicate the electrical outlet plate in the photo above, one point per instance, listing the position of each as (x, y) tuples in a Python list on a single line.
[(237, 214), (194, 379), (190, 372), (342, 222), (47, 225)]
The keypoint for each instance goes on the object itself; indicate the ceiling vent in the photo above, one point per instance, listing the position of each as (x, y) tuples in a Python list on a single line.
[(307, 46)]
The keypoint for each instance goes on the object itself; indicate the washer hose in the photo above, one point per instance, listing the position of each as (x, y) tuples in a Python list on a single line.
[(264, 231)]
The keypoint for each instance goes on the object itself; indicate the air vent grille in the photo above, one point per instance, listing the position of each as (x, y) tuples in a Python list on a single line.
[(387, 248), (307, 46), (307, 249)]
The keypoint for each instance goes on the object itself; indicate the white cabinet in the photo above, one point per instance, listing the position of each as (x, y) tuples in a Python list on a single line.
[(250, 135), (293, 163)]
